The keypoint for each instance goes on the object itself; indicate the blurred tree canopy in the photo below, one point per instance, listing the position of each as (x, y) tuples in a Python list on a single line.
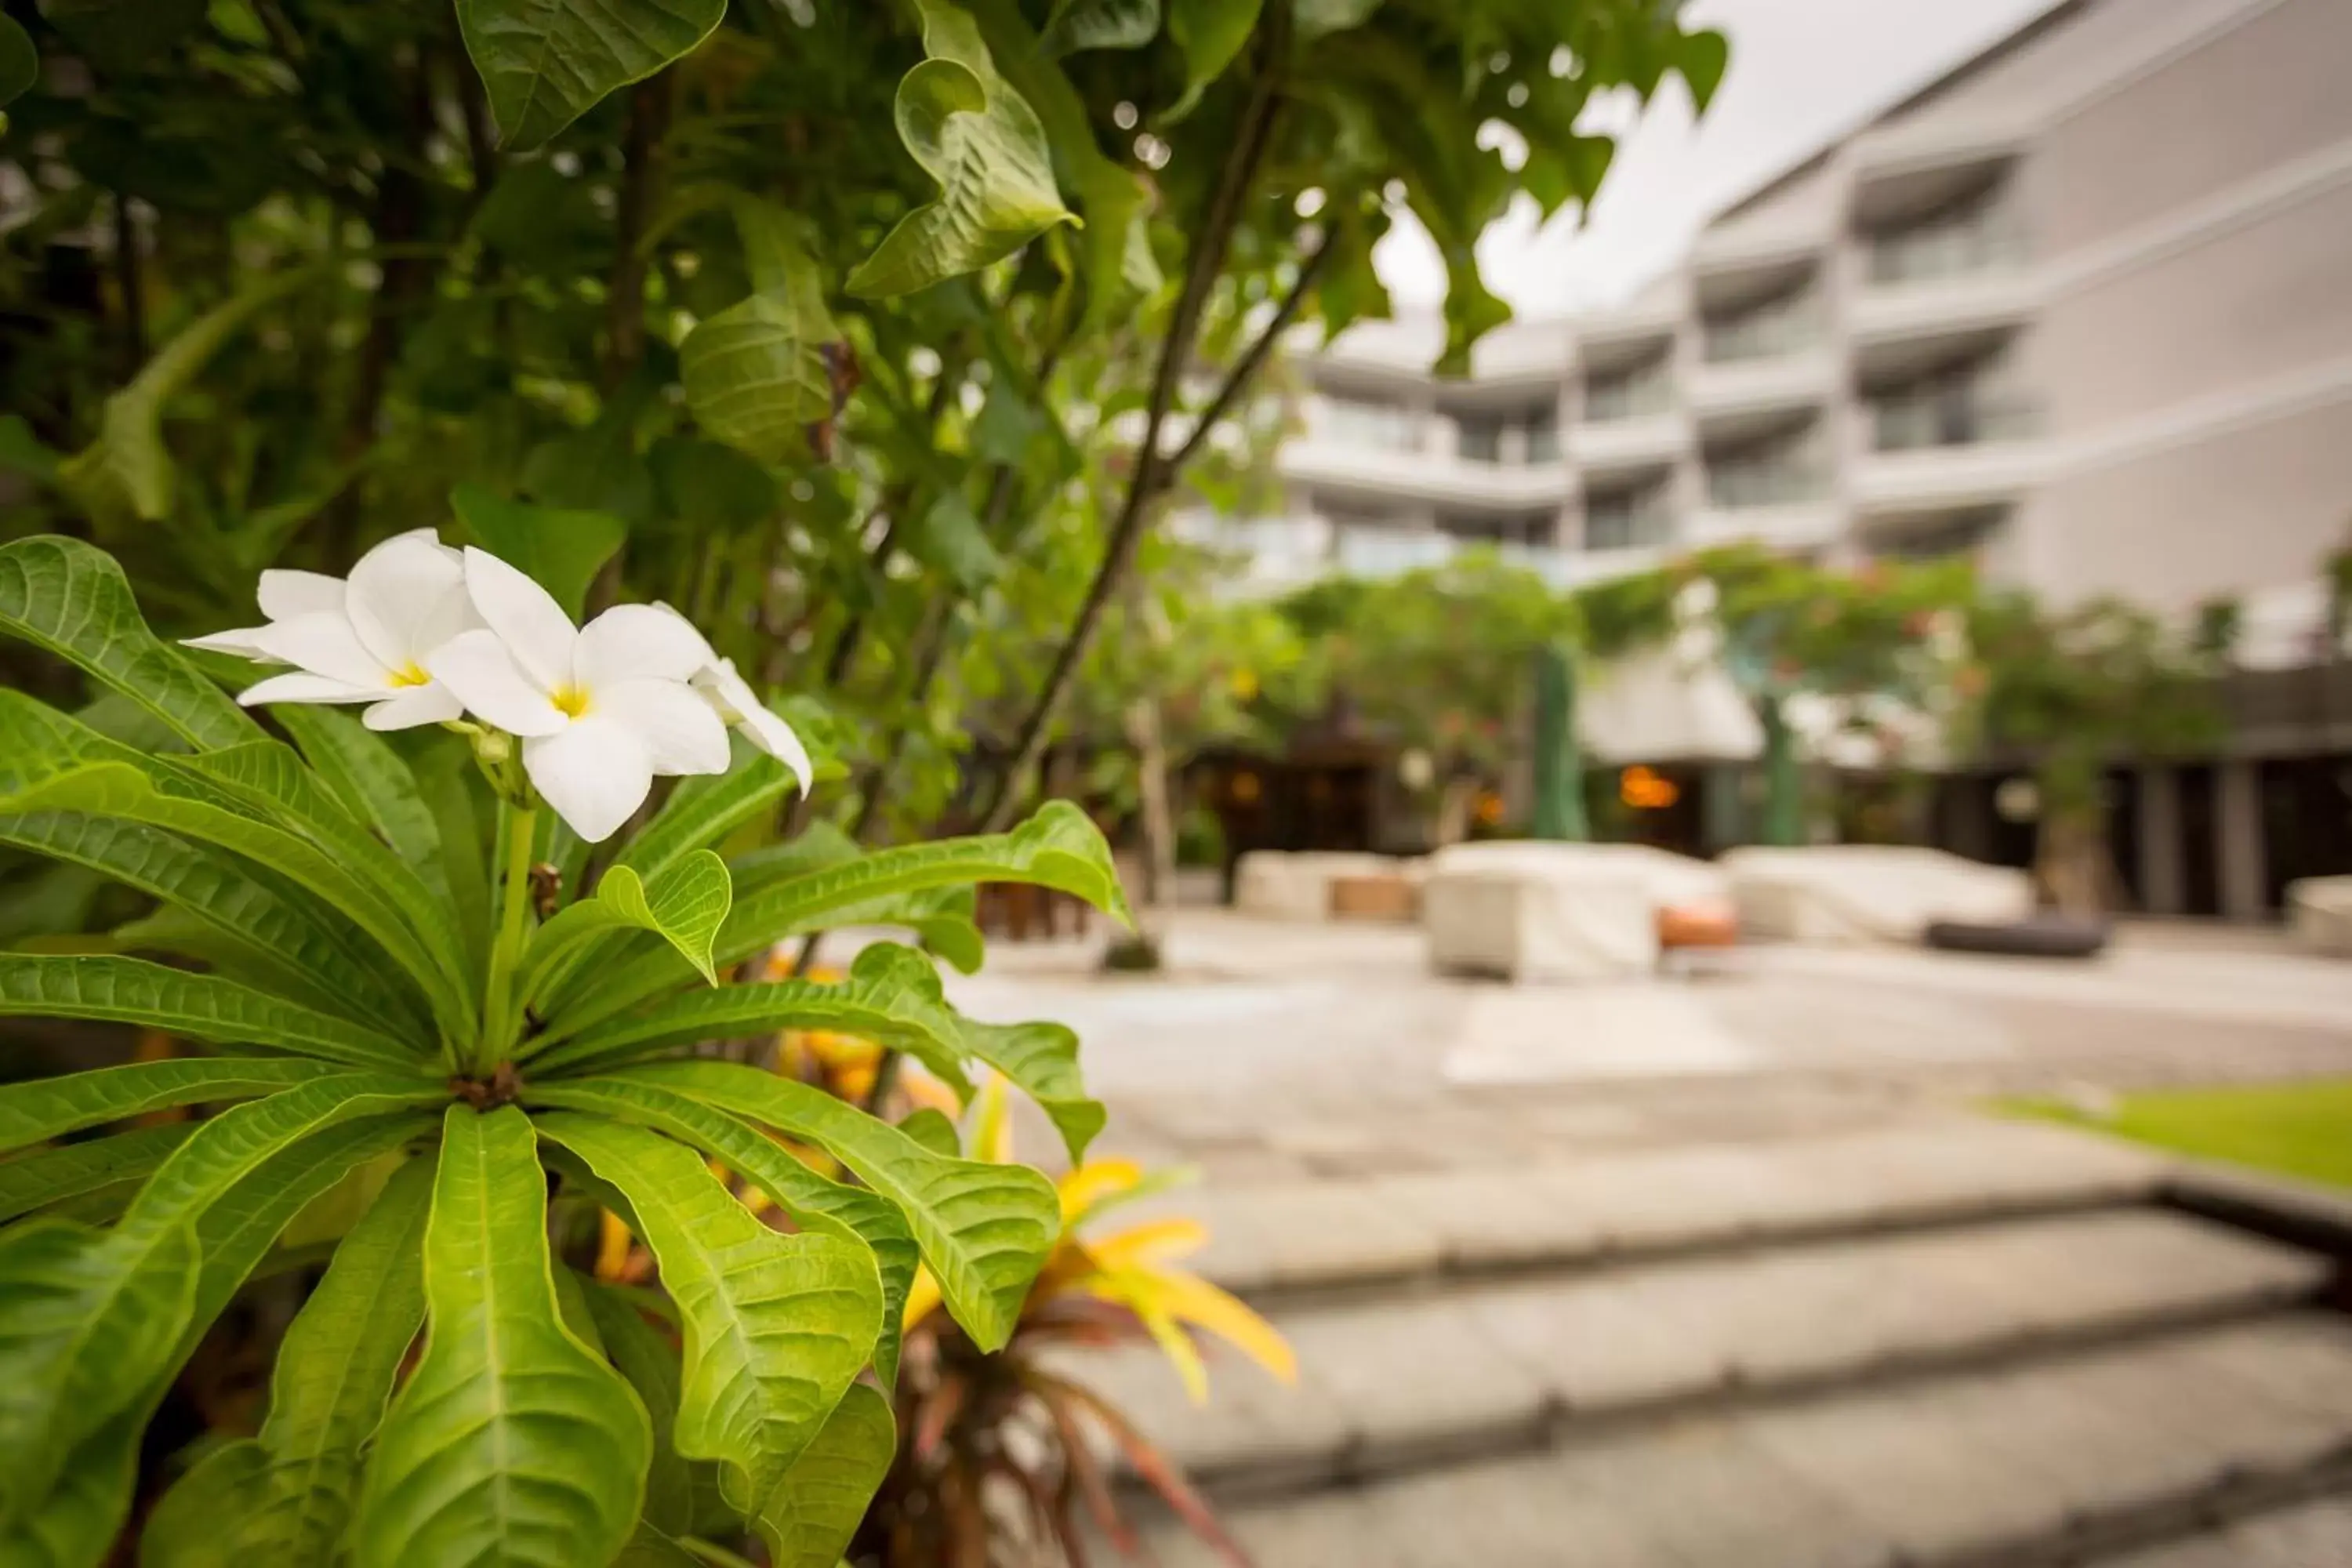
[(875, 334)]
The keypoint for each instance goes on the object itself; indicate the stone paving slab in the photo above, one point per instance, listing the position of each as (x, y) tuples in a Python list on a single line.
[(2314, 1535), (1492, 1363), (1914, 1474), (1318, 1234)]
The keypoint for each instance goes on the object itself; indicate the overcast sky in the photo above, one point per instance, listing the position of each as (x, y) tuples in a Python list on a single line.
[(1801, 72)]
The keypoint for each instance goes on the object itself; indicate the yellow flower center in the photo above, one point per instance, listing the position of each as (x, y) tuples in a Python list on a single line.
[(410, 674), (570, 701)]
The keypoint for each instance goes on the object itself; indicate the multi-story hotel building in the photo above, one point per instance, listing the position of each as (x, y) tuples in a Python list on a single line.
[(2082, 307)]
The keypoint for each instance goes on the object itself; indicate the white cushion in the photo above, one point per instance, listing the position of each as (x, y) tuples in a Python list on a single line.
[(1669, 878), (1295, 885), (2320, 910), (1528, 925), (1862, 894)]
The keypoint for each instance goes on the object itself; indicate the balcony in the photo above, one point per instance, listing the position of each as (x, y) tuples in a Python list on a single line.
[(1388, 473), (1928, 308), (1800, 522), (1641, 442), (1956, 452), (1736, 391)]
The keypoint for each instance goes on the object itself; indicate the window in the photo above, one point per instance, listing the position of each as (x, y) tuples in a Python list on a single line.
[(1957, 409), (1366, 422), (1979, 234), (1543, 437), (1773, 472), (1782, 325), (1481, 441), (1627, 394), (1626, 520)]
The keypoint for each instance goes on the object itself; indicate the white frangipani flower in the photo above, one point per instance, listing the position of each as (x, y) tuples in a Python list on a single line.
[(601, 709), (732, 697), (367, 639)]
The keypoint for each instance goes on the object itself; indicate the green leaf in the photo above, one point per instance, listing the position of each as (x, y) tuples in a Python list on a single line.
[(372, 783), (758, 374), (1117, 201), (680, 1495), (1101, 25), (36, 1109), (704, 809), (71, 599), (70, 1170), (126, 790), (88, 1320), (1317, 17), (1703, 58), (195, 1006), (685, 907), (934, 1130), (892, 995), (1210, 33), (812, 1202), (206, 1520), (777, 1326), (80, 1518), (20, 66), (448, 778), (973, 134), (511, 1443), (295, 945), (818, 846), (561, 551), (335, 1371), (811, 1513), (985, 1230), (126, 477), (545, 62), (1043, 1059), (953, 540), (1059, 847)]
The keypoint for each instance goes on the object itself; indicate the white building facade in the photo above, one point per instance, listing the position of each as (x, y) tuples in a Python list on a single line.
[(2082, 309)]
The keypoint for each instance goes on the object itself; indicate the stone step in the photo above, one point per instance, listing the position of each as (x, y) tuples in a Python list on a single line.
[(2059, 1461), (1309, 1237), (1482, 1367)]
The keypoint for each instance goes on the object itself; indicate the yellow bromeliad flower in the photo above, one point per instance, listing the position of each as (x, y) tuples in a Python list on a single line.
[(1132, 1269)]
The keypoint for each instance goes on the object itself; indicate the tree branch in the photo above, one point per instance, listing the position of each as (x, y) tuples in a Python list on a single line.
[(1175, 353), (1239, 379), (624, 291)]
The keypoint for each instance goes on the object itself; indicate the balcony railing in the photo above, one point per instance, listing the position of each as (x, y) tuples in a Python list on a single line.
[(1922, 256), (1772, 331), (1951, 419), (1612, 403), (1738, 488)]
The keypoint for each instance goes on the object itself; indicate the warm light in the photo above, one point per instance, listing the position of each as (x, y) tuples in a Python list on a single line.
[(1490, 808), (1244, 787), (1645, 789)]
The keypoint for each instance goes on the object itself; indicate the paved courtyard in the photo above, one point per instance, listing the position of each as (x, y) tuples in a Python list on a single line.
[(1731, 1268)]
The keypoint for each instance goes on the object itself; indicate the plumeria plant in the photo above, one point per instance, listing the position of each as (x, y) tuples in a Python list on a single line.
[(387, 938)]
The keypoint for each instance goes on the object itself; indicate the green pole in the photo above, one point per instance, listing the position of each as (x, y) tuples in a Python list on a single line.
[(1559, 769), (1784, 803)]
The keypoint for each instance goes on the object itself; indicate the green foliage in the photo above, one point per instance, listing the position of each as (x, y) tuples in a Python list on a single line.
[(545, 62), (520, 1435)]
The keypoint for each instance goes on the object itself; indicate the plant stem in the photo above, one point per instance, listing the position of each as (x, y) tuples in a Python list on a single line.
[(517, 829), (1151, 472)]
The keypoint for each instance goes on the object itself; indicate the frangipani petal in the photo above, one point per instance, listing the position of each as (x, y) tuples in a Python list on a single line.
[(406, 597), (479, 670), (741, 705), (285, 594), (303, 686), (419, 705), (324, 644), (595, 774), (526, 618), (680, 733), (632, 642), (244, 641)]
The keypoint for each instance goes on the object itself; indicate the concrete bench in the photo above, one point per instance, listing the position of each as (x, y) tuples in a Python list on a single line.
[(1868, 894)]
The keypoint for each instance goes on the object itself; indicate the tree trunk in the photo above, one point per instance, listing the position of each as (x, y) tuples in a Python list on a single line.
[(1158, 820), (1784, 784), (2070, 861)]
